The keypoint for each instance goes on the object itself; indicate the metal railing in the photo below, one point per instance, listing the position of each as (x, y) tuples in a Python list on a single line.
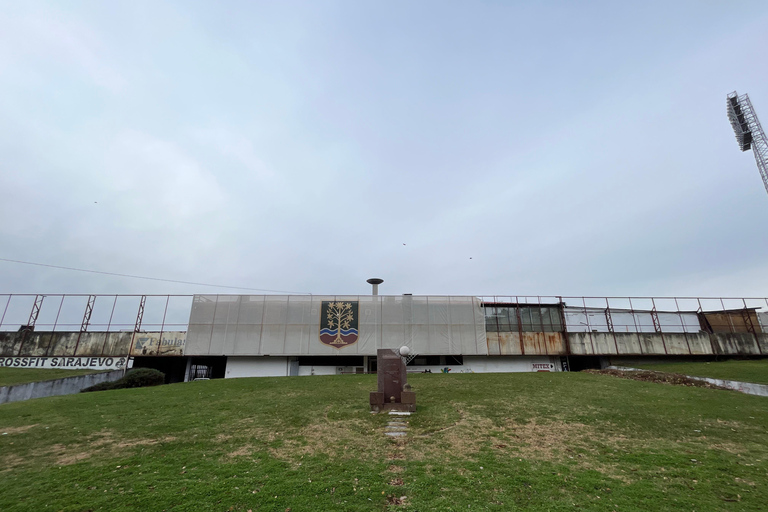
[(116, 312), (94, 313), (626, 314)]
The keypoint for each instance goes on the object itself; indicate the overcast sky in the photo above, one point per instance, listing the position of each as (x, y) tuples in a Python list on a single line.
[(447, 147)]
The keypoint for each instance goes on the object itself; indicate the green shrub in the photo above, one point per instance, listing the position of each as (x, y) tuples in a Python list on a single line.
[(102, 386), (138, 378)]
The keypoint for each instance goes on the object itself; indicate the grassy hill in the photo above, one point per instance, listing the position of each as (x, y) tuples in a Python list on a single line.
[(478, 441)]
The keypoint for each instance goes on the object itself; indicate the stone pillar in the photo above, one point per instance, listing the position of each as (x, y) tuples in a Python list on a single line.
[(392, 378)]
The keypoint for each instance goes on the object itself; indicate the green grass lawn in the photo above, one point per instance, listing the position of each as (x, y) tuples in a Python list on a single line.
[(13, 376), (745, 371), (533, 441)]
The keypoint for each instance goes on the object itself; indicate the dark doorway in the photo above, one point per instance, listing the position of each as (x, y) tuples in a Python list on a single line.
[(579, 363), (207, 368), (173, 367)]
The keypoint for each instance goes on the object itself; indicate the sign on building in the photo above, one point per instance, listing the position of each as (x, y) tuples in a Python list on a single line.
[(66, 363)]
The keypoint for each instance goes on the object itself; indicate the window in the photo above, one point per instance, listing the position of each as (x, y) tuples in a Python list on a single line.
[(504, 318)]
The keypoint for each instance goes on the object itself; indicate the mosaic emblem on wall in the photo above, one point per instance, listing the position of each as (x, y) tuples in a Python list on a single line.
[(338, 323)]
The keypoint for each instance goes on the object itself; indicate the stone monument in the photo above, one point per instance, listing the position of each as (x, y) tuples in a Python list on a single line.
[(394, 393)]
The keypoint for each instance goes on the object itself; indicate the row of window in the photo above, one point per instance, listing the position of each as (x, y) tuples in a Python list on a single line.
[(515, 318)]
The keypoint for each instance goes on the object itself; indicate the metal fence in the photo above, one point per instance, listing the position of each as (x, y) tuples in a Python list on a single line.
[(113, 313), (94, 313), (626, 314)]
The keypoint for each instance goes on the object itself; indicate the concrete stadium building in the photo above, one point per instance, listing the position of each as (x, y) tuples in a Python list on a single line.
[(227, 336)]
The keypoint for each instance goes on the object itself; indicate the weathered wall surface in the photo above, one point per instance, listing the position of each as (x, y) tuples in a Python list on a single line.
[(533, 343), (156, 344), (72, 344), (479, 364), (737, 343), (600, 343), (258, 367), (65, 386)]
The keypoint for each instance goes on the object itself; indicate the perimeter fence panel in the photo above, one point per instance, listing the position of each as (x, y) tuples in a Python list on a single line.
[(298, 323), (369, 324), (396, 317), (17, 312), (225, 323), (275, 322), (71, 315), (420, 325), (201, 324), (101, 313), (439, 325), (49, 309), (126, 309), (463, 317), (250, 318), (177, 313)]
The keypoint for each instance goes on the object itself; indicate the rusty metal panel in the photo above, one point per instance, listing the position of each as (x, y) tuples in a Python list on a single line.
[(555, 343), (492, 339), (732, 321), (509, 343), (543, 343), (156, 344)]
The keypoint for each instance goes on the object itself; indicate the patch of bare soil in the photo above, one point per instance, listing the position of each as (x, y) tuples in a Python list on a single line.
[(396, 481), (345, 439), (554, 441), (395, 500), (244, 450), (8, 462), (17, 430), (395, 469), (101, 443), (674, 379)]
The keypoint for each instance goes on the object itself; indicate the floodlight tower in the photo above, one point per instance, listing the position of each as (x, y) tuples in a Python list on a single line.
[(749, 133)]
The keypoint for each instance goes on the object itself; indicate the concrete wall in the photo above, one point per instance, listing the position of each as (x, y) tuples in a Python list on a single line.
[(65, 386), (479, 364), (278, 366), (317, 370), (257, 367), (600, 343), (737, 343), (72, 344)]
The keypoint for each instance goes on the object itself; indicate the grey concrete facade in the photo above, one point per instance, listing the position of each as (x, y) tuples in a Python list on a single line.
[(65, 386)]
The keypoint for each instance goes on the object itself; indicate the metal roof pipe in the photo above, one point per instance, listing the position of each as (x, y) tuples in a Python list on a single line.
[(374, 282)]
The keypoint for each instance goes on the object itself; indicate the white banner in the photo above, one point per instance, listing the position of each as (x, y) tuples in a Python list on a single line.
[(65, 363)]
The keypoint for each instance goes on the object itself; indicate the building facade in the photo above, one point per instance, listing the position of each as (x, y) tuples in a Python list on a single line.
[(294, 335)]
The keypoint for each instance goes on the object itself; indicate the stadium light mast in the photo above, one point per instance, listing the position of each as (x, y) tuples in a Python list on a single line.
[(749, 133)]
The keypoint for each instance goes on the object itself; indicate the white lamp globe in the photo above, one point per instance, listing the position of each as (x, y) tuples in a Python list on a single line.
[(404, 351)]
